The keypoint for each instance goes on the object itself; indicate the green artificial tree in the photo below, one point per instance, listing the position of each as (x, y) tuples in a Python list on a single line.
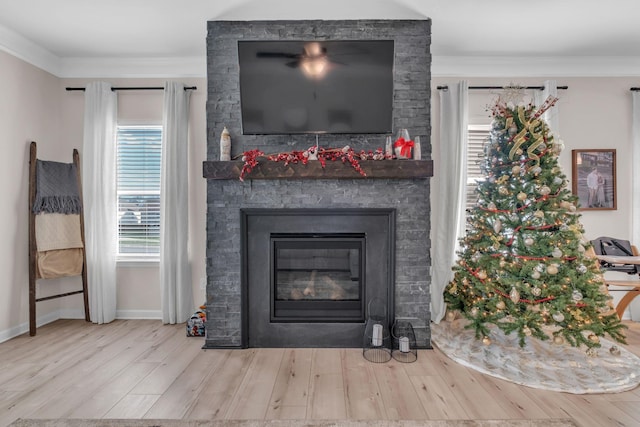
[(524, 264)]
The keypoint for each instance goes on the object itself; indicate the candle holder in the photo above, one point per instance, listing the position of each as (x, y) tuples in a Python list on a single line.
[(404, 342), (376, 346)]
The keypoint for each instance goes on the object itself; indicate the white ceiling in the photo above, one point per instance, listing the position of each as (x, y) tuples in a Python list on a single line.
[(123, 38)]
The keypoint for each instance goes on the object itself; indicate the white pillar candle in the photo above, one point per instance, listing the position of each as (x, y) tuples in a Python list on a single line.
[(376, 339), (404, 344), (417, 154), (225, 145)]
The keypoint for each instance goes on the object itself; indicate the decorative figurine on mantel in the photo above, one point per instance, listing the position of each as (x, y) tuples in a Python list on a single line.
[(311, 153), (225, 145)]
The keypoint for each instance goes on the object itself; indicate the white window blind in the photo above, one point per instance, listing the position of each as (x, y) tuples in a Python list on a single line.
[(477, 137), (138, 180)]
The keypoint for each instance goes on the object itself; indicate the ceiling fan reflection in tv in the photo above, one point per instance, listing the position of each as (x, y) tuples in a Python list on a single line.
[(313, 60)]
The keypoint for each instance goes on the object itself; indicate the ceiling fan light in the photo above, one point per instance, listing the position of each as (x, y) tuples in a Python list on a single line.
[(313, 50), (315, 68)]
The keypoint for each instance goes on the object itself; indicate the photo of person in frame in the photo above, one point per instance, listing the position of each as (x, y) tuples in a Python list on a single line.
[(594, 178)]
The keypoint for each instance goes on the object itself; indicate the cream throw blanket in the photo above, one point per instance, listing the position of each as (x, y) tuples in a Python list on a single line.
[(59, 245), (57, 231)]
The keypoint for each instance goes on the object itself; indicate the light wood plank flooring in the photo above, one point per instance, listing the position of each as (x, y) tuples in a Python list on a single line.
[(142, 369)]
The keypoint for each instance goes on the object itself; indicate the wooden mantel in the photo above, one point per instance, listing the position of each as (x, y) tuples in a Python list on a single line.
[(266, 169)]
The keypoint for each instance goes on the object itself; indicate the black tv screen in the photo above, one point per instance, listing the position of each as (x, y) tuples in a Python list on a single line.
[(290, 87)]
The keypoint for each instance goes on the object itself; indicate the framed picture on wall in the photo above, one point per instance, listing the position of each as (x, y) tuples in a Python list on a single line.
[(594, 178)]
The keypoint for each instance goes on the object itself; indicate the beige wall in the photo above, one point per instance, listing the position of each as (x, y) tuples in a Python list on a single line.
[(594, 113), (29, 111), (35, 107)]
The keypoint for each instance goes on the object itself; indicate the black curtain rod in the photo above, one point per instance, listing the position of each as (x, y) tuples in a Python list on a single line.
[(635, 89), (133, 88), (504, 87)]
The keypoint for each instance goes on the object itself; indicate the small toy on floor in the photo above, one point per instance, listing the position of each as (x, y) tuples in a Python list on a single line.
[(195, 324)]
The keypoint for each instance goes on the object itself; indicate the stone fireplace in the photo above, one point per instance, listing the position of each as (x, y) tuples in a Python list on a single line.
[(308, 274), (240, 306)]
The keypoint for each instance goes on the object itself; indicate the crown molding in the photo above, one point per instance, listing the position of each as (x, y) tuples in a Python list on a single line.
[(515, 66), (87, 67), (28, 51), (196, 66), (442, 66), (174, 67)]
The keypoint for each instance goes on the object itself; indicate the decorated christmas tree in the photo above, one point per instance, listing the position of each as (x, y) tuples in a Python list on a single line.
[(524, 264)]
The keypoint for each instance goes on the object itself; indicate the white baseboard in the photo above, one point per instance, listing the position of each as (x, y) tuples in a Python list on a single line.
[(139, 314), (120, 314), (15, 331), (7, 334)]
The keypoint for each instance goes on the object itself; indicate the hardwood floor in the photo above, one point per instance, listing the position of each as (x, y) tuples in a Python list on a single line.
[(142, 369)]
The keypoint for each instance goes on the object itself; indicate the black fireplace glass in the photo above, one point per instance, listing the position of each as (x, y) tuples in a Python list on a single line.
[(317, 277)]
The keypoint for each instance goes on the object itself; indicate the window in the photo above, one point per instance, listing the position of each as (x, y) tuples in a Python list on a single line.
[(477, 137), (139, 154)]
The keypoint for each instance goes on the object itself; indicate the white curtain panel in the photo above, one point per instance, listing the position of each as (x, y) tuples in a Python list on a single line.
[(175, 270), (99, 198), (635, 184), (551, 116), (448, 215)]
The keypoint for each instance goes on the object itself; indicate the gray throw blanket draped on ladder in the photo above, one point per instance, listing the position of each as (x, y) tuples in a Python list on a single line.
[(56, 188)]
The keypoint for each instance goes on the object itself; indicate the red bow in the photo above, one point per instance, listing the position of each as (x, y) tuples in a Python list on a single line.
[(405, 146)]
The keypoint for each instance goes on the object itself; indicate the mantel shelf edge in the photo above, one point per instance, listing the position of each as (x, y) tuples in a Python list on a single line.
[(374, 169)]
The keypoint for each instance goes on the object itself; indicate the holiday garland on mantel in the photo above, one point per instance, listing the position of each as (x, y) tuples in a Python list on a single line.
[(323, 155)]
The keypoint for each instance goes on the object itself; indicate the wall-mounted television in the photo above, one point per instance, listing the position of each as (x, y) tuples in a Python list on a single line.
[(337, 86)]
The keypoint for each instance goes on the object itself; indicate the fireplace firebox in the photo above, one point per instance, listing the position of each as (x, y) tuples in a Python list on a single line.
[(317, 277), (307, 274)]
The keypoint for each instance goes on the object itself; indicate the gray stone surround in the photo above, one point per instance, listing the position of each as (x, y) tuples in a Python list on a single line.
[(225, 198)]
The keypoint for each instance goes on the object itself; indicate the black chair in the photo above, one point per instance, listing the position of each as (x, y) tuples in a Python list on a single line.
[(616, 247)]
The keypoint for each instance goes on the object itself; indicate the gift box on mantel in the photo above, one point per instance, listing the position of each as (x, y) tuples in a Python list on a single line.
[(403, 146)]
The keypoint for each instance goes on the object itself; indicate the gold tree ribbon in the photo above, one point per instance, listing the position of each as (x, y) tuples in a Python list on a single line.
[(537, 140), (521, 137), (518, 140), (529, 126), (534, 145), (508, 122), (521, 116)]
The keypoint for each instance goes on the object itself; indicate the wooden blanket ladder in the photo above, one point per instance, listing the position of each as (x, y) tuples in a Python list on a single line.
[(33, 250)]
